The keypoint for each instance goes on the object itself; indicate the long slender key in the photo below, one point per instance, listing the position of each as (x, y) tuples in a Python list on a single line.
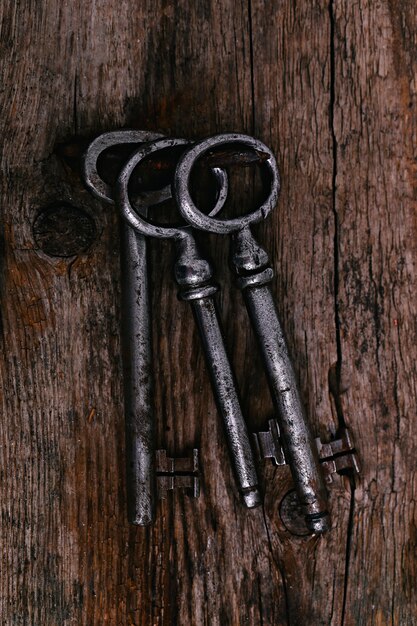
[(252, 266), (136, 335), (193, 273)]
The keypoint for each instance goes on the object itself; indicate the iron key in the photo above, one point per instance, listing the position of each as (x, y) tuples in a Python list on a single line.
[(193, 274), (136, 335), (254, 275)]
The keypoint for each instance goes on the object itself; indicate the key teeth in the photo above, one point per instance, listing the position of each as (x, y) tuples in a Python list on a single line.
[(268, 444), (188, 484), (336, 457), (177, 473)]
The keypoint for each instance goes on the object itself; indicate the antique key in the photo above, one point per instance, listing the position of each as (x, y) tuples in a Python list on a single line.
[(254, 273), (136, 335), (147, 467), (194, 276)]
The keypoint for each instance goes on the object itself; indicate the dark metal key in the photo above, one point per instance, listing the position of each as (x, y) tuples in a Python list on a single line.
[(254, 275), (136, 333), (193, 274)]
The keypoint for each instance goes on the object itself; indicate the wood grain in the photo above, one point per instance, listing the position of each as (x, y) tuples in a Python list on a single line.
[(375, 147), (331, 88)]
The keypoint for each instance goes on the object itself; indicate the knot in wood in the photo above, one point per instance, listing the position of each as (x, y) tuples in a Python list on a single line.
[(62, 230)]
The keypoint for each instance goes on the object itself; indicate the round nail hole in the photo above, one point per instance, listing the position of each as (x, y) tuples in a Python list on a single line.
[(62, 230), (292, 515)]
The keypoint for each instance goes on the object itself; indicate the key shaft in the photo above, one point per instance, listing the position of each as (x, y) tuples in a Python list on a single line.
[(194, 274), (138, 379)]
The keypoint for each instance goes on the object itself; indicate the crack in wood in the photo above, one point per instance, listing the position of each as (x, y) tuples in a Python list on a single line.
[(335, 389)]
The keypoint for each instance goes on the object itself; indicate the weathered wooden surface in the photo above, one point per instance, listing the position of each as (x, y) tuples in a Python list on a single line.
[(331, 87)]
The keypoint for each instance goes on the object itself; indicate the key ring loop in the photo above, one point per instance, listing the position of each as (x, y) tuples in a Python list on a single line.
[(139, 223), (181, 188), (96, 184)]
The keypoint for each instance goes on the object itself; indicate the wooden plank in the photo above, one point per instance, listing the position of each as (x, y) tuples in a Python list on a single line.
[(293, 91), (334, 98), (82, 69), (375, 145)]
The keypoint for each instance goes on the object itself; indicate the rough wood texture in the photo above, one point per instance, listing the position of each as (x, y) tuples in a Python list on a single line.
[(331, 87)]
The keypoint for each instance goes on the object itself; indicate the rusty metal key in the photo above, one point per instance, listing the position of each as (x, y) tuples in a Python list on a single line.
[(136, 332), (194, 276), (254, 275)]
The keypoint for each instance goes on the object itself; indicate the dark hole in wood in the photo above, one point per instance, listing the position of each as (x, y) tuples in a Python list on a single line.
[(62, 230), (292, 515)]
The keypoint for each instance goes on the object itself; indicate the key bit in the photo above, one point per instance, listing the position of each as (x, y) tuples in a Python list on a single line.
[(336, 457), (177, 473), (268, 444)]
